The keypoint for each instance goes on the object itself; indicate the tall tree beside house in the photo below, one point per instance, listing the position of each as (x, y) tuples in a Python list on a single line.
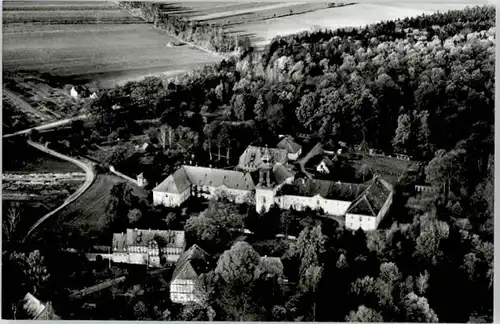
[(446, 170), (236, 268), (309, 283), (210, 131), (10, 222), (308, 248), (34, 268), (120, 200), (364, 171), (402, 138)]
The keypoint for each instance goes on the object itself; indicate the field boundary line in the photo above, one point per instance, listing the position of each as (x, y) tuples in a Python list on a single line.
[(90, 177)]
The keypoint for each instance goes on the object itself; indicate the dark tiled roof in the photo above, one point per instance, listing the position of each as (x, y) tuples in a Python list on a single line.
[(251, 159), (373, 198), (219, 177), (182, 179), (281, 173), (191, 264), (326, 189), (288, 144), (175, 183)]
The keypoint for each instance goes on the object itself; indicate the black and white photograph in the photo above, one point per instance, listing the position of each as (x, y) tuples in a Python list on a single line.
[(248, 161)]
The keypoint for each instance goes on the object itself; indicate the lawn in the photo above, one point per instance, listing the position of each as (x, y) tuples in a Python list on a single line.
[(22, 158), (86, 43), (87, 215)]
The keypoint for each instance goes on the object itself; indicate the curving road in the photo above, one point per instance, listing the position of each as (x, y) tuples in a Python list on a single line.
[(55, 124), (89, 179)]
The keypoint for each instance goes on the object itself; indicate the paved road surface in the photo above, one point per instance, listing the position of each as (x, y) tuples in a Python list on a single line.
[(90, 176), (55, 124)]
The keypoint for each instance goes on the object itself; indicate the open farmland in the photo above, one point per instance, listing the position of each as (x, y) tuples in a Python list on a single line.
[(86, 41), (262, 31)]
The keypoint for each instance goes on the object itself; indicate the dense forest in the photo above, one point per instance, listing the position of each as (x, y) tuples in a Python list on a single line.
[(420, 86)]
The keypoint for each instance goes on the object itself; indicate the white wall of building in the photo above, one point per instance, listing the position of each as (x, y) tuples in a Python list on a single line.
[(183, 291), (322, 168), (294, 156), (170, 199), (355, 221), (264, 199), (74, 93), (329, 206)]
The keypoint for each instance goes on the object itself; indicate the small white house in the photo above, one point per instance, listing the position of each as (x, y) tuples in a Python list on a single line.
[(74, 93), (79, 92), (325, 166)]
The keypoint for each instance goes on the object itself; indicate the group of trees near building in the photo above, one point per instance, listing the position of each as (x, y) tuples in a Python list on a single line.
[(425, 270)]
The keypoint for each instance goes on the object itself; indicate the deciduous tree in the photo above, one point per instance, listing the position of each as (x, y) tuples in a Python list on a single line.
[(364, 314)]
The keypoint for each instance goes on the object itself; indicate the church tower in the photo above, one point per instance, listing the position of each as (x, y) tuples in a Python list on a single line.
[(264, 191)]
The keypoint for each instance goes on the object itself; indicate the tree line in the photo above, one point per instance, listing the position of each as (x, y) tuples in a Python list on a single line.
[(209, 36)]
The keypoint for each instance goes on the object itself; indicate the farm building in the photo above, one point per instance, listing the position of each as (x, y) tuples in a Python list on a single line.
[(185, 286), (34, 309), (202, 182), (293, 149), (149, 247), (251, 159)]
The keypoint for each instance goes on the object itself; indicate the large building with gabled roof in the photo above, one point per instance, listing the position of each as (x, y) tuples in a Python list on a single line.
[(202, 182), (185, 286), (368, 209), (149, 247)]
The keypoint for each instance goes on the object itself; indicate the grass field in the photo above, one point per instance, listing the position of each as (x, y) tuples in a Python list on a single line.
[(22, 158), (89, 41), (89, 210), (261, 32), (94, 40)]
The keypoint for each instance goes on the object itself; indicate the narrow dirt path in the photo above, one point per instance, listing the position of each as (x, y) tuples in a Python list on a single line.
[(90, 176)]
